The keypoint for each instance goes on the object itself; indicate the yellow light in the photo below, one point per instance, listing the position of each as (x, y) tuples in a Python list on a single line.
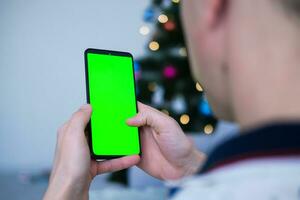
[(183, 52), (208, 129), (165, 111), (199, 87), (184, 119), (154, 46), (152, 86), (175, 1), (144, 30), (163, 18)]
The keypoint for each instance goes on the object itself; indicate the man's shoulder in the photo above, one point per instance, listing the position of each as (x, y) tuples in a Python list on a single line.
[(275, 140), (259, 164), (260, 178)]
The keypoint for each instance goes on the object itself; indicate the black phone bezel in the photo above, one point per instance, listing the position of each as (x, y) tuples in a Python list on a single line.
[(88, 127)]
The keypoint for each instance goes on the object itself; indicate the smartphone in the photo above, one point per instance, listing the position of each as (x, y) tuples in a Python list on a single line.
[(111, 91)]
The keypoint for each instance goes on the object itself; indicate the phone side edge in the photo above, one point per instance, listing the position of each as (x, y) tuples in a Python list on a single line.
[(88, 127), (136, 101)]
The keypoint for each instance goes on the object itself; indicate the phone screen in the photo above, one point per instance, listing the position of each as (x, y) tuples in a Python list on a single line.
[(111, 93)]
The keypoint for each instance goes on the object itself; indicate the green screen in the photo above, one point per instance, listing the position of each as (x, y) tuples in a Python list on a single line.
[(112, 97)]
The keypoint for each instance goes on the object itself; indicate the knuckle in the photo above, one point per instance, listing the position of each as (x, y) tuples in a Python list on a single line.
[(141, 115)]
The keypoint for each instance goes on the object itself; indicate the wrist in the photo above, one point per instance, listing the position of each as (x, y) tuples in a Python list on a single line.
[(65, 187), (194, 163)]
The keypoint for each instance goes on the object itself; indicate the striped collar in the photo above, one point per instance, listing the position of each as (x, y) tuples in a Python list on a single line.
[(269, 141)]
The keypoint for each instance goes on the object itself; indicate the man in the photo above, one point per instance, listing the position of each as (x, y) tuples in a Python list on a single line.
[(246, 55)]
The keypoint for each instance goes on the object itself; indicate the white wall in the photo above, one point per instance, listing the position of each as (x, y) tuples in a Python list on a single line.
[(42, 70)]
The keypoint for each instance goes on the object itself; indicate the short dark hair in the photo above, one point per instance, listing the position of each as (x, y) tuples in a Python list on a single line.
[(292, 6)]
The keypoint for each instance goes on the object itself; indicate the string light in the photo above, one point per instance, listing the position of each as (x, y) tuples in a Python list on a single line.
[(184, 119), (163, 18), (175, 1), (170, 72), (144, 30), (154, 46), (183, 52), (152, 86), (199, 87), (170, 25), (208, 129)]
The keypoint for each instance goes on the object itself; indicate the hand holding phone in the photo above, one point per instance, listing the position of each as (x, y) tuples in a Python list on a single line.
[(167, 152), (73, 170)]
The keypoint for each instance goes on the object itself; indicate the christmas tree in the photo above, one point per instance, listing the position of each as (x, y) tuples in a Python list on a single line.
[(163, 76)]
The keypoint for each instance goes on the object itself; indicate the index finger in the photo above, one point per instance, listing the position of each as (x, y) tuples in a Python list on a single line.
[(81, 117), (151, 117)]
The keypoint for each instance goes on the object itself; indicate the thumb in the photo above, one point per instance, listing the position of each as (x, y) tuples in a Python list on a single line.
[(149, 116)]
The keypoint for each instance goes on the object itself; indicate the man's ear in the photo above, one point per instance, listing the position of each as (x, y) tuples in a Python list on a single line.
[(215, 11)]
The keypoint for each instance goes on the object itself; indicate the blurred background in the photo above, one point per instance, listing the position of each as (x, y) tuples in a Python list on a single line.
[(42, 83)]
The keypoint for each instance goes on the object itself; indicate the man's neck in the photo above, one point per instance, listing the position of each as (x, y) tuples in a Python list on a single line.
[(275, 99)]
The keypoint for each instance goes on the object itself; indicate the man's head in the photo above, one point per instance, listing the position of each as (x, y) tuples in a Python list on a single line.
[(242, 51)]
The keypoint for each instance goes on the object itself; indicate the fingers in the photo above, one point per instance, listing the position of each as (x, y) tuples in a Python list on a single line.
[(80, 118), (117, 164), (77, 123), (151, 117)]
